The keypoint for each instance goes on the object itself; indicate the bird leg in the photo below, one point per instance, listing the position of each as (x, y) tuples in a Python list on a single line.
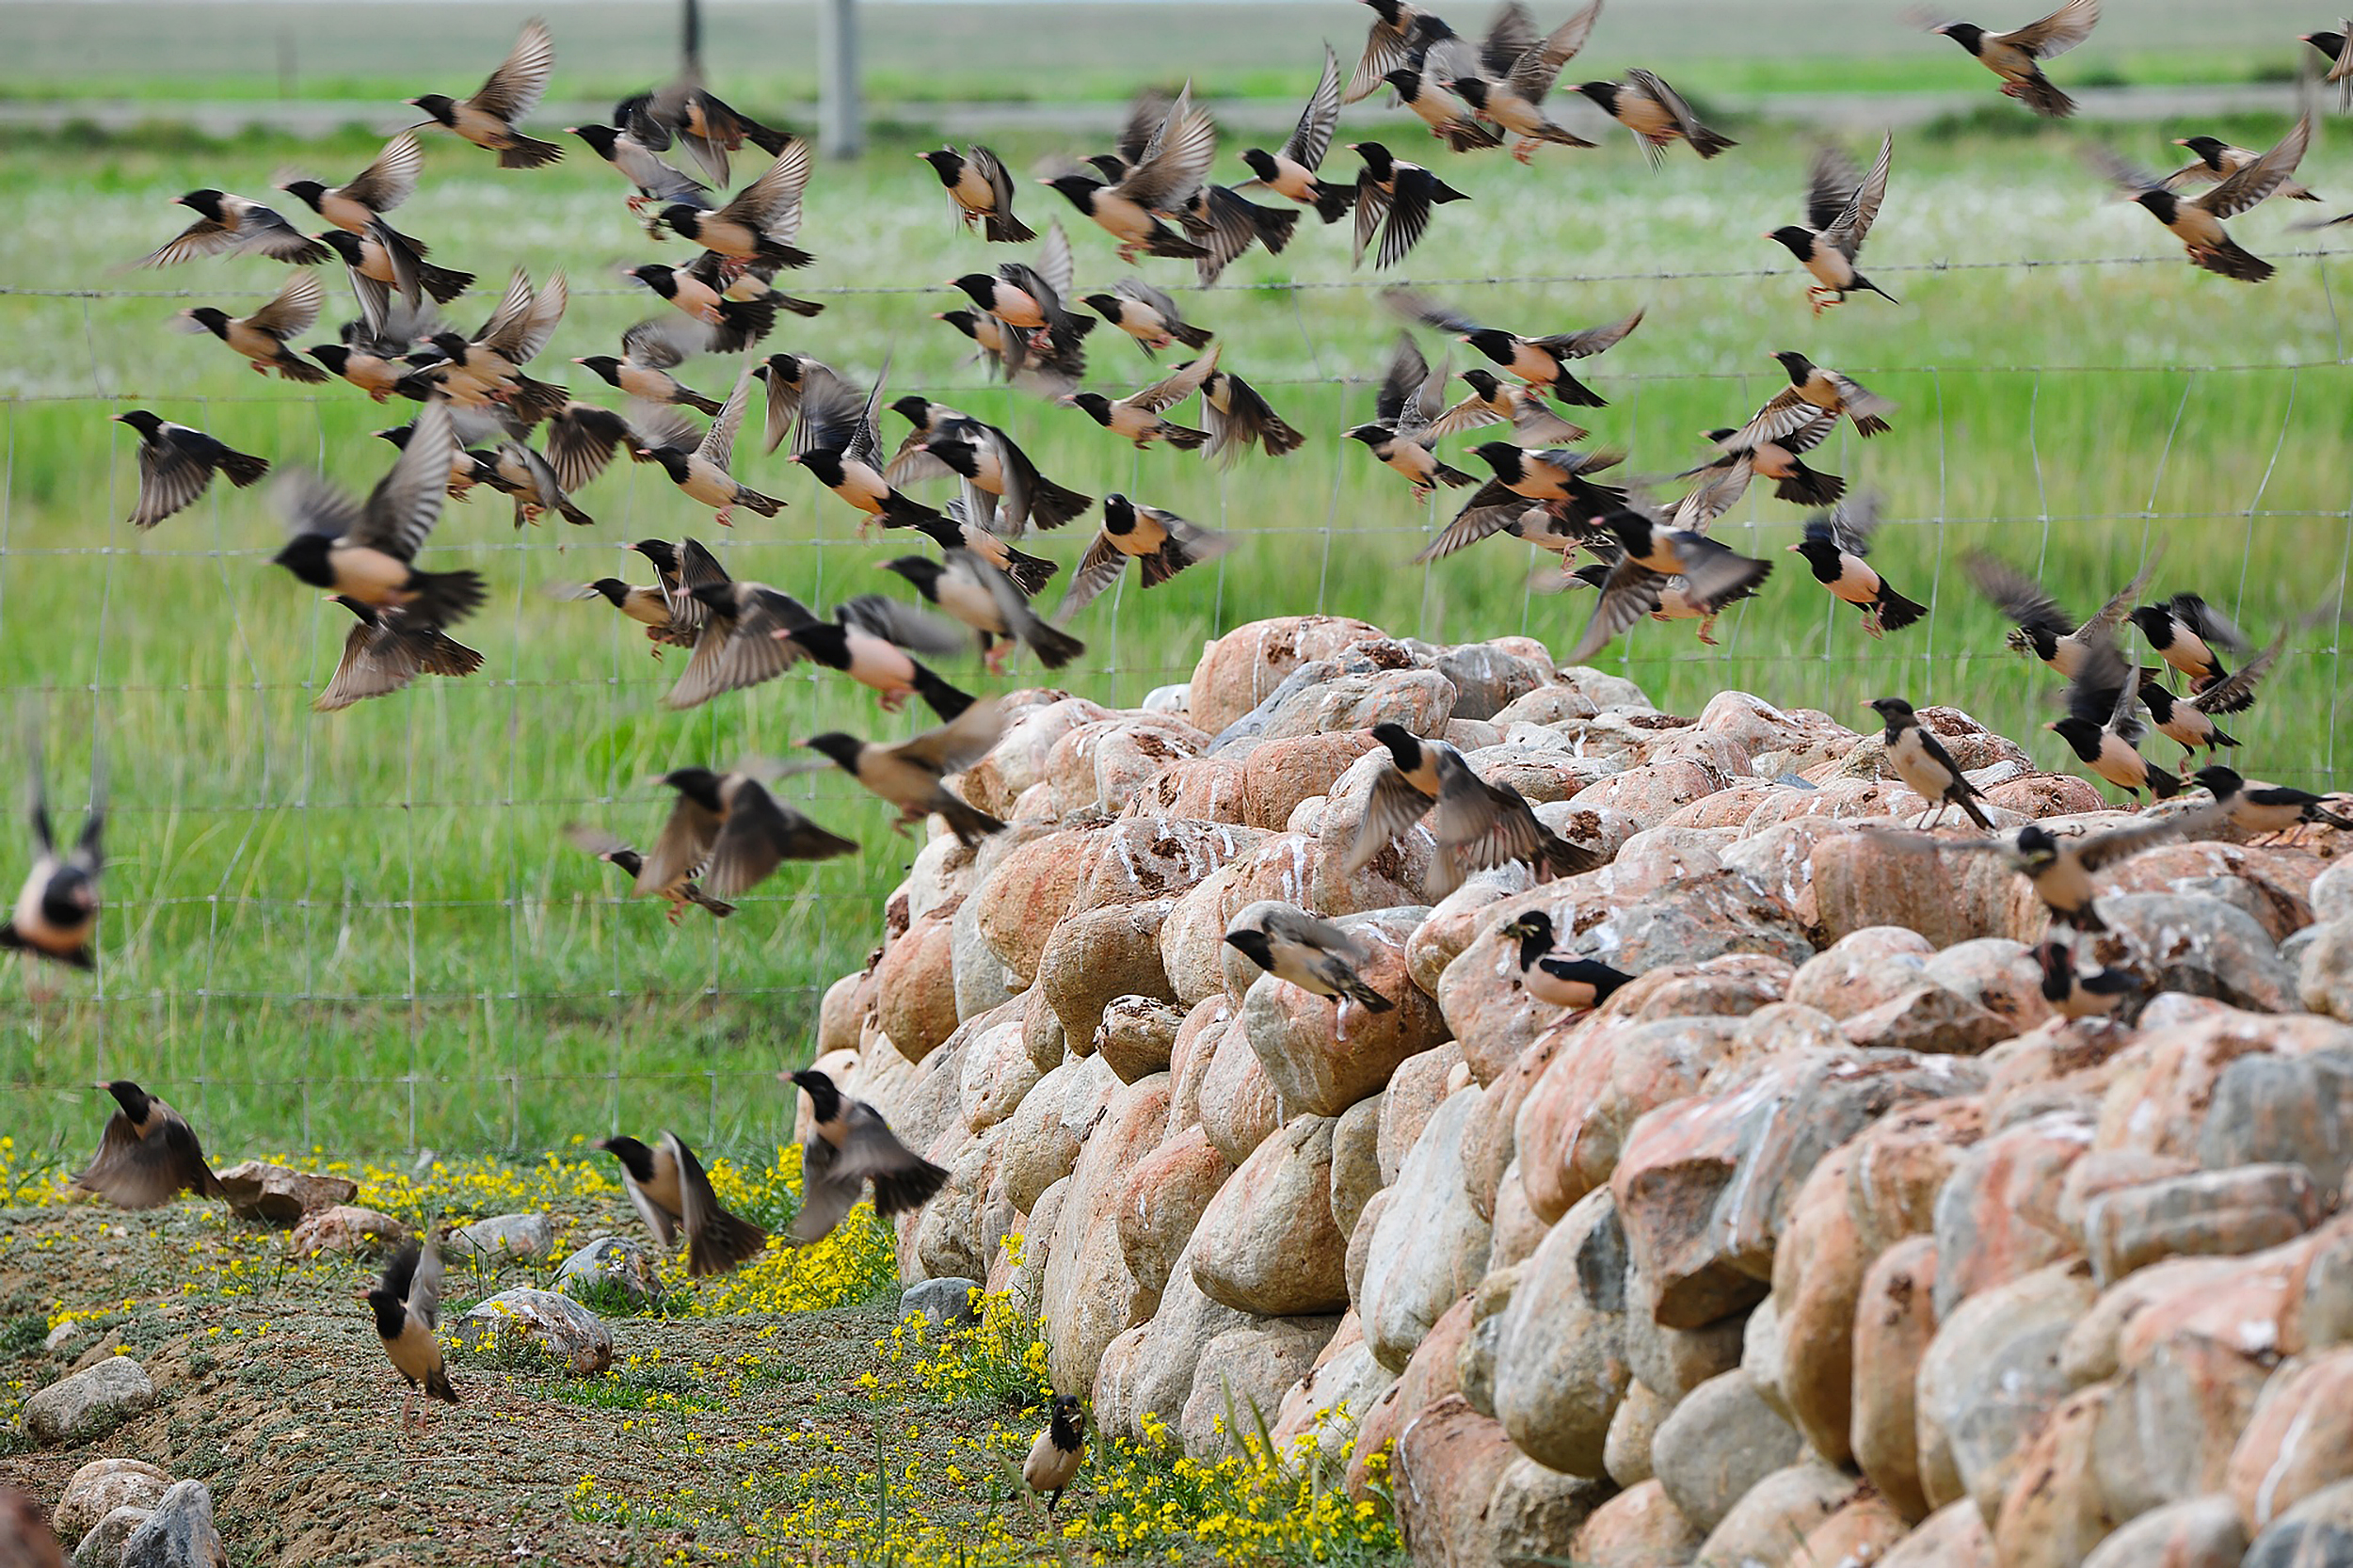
[(408, 1409), (1871, 623), (997, 657), (893, 701), (259, 368), (1525, 149), (1707, 622), (726, 516)]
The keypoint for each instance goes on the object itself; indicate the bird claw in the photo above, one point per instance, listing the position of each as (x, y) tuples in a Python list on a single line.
[(1705, 626), (893, 701), (726, 516), (997, 658), (1524, 151)]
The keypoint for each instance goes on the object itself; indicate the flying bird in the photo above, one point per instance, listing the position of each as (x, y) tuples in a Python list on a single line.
[(487, 368), (672, 1194), (360, 204), (1657, 115), (2214, 160), (991, 603), (1401, 432), (2059, 867), (1494, 401), (1479, 825), (701, 471), (489, 119), (1146, 314), (1057, 1453), (2188, 721), (653, 607), (1542, 365), (1169, 168), (851, 1146), (1399, 33), (228, 224), (2016, 57), (1554, 977), (839, 440), (660, 184), (1514, 97), (759, 222), (265, 337), (1841, 204), (1713, 576), (407, 1303), (1819, 386), (148, 1154), (689, 113), (367, 549), (385, 651), (741, 638), (1237, 417), (727, 832), (912, 774), (2185, 631), (1161, 544), (619, 853), (735, 324), (1769, 447), (1002, 488), (380, 265), (1393, 200), (1450, 118), (177, 461), (2197, 222), (1927, 769), (874, 640), (1292, 172), (1834, 547), (649, 354), (2102, 724), (2332, 49), (1313, 954), (980, 191), (2043, 628), (1137, 418)]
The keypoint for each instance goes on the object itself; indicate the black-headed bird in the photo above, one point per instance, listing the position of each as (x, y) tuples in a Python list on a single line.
[(1657, 115), (406, 1301), (385, 651), (2197, 221), (2044, 630), (2071, 993), (489, 119), (2103, 725), (1057, 1451), (2016, 57), (1541, 363), (2186, 633), (727, 832), (177, 461), (1393, 200), (228, 224), (1834, 548), (1927, 769), (2270, 810), (1292, 172), (265, 337), (1161, 544), (148, 1154), (1714, 576), (849, 1147), (1401, 432), (1841, 204), (367, 549), (1315, 956), (982, 192), (622, 855), (1554, 977), (672, 1194), (912, 774)]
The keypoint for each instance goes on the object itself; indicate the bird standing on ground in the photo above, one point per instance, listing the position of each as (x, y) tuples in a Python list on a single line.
[(406, 1301), (1927, 769), (673, 1195), (177, 461), (265, 337), (1313, 954), (1835, 545), (1657, 115), (148, 1154), (1574, 983), (2016, 57), (912, 776), (489, 119), (1059, 1450), (980, 191), (1841, 204), (851, 1145)]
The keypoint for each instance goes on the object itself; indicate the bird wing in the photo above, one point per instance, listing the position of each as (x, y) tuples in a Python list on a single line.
[(2263, 176), (525, 333), (1592, 341), (377, 660), (1385, 50), (1484, 826), (1391, 809), (759, 834), (130, 1171), (902, 624), (1511, 33), (1054, 263), (1783, 414), (1297, 926), (1831, 180), (1471, 413), (991, 168), (1667, 99), (392, 179), (657, 343), (957, 744), (1861, 401), (1490, 511), (1715, 495), (827, 1192), (1629, 593), (2124, 720), (1538, 67), (696, 569), (1311, 138), (2127, 176), (406, 503), (2112, 615), (1372, 207), (2056, 33), (1144, 294), (514, 89), (1417, 306), (170, 477), (2208, 622), (1097, 571), (1175, 387), (294, 310), (1713, 574), (512, 306), (1853, 222), (600, 843), (1401, 381), (2101, 681), (204, 237), (1147, 124), (2097, 850), (2225, 696), (784, 404), (718, 444), (832, 412), (771, 204), (682, 849), (2020, 599), (423, 1294), (697, 1204), (1168, 178), (730, 655), (1853, 522), (1410, 207)]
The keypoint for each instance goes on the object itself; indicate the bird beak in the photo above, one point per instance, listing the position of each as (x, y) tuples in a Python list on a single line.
[(1942, 29), (414, 103), (1790, 548), (2179, 142), (580, 362)]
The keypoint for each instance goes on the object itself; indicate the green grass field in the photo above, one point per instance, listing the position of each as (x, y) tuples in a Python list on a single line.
[(364, 930)]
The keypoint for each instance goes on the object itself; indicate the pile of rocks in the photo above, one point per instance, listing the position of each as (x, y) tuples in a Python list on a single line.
[(126, 1513), (1822, 1241)]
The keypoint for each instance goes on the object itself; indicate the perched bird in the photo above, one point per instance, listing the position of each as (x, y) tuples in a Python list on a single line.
[(1393, 200), (701, 471), (406, 1301), (489, 119), (367, 549), (1555, 978), (1147, 315), (1237, 417), (148, 1155), (2184, 631), (2271, 809), (735, 324), (1400, 31), (1835, 545), (1137, 418), (1160, 543), (2214, 160), (1057, 1451), (487, 368), (228, 224), (672, 1194), (1164, 179), (2103, 725), (982, 192), (1657, 115), (1541, 363), (1841, 203), (619, 853), (710, 130), (1401, 432), (647, 356), (2016, 57), (2188, 721), (991, 603), (2332, 49), (759, 222), (1927, 769), (1819, 386), (869, 640), (1313, 954), (726, 831), (2197, 222), (1494, 401), (1514, 97), (265, 337), (385, 651), (1004, 488), (2043, 628), (1450, 118), (1290, 171), (2058, 866), (851, 1145), (2075, 995), (839, 441), (659, 184), (1713, 576), (912, 774), (177, 461)]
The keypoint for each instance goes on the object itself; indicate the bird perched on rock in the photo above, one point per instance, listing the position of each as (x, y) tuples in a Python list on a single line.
[(1313, 954), (619, 853), (406, 1301), (367, 550), (1557, 978), (2044, 630), (1657, 115), (385, 651), (1841, 204), (982, 192), (2059, 867), (177, 461), (2103, 725), (1059, 1450), (2268, 809), (1161, 544), (266, 336), (1835, 545), (489, 119), (1292, 172), (672, 1194), (148, 1154), (2197, 222), (2016, 57), (727, 832), (912, 776), (849, 1147), (1927, 769), (2074, 994)]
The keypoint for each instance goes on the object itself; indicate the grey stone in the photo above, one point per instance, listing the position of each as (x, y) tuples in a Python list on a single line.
[(180, 1534), (80, 1407), (2295, 1109), (102, 1486), (1721, 1441), (279, 1195), (612, 1263), (2213, 1213), (561, 1326), (2203, 1532), (505, 1235), (101, 1545), (2324, 967), (2201, 946), (2316, 1533), (941, 1302)]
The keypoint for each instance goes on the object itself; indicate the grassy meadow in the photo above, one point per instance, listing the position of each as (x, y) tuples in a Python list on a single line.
[(364, 930)]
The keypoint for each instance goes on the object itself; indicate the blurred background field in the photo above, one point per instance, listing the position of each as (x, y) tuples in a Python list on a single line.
[(364, 930)]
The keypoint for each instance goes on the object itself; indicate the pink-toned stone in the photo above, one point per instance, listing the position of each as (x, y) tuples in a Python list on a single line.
[(1267, 1242), (1448, 1459), (2053, 1513), (1863, 1531), (1955, 1536), (1639, 1527), (1894, 1320), (1998, 1215), (916, 987), (1162, 1201), (2299, 1439), (1277, 775), (1240, 669), (1189, 1059), (1205, 788), (1239, 1108), (1095, 956), (1026, 892), (1817, 1276), (1089, 1295), (1415, 1090), (1137, 859)]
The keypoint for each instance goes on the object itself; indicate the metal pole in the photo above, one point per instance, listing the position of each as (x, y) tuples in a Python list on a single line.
[(691, 45), (842, 121)]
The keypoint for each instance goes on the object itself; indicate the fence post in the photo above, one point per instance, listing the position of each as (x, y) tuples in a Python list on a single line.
[(840, 119)]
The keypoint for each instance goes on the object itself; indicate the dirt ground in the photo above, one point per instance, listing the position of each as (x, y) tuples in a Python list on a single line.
[(274, 1390)]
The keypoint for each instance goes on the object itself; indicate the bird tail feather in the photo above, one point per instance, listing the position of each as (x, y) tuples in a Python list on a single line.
[(1810, 486), (529, 153), (709, 407), (942, 698), (969, 824), (1005, 228), (1896, 611), (724, 1243), (909, 1187), (1183, 436), (1334, 201), (242, 468), (1577, 394), (2038, 94), (445, 597), (1365, 997)]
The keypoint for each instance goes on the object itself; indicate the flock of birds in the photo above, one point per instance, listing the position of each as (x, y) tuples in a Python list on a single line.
[(726, 831)]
